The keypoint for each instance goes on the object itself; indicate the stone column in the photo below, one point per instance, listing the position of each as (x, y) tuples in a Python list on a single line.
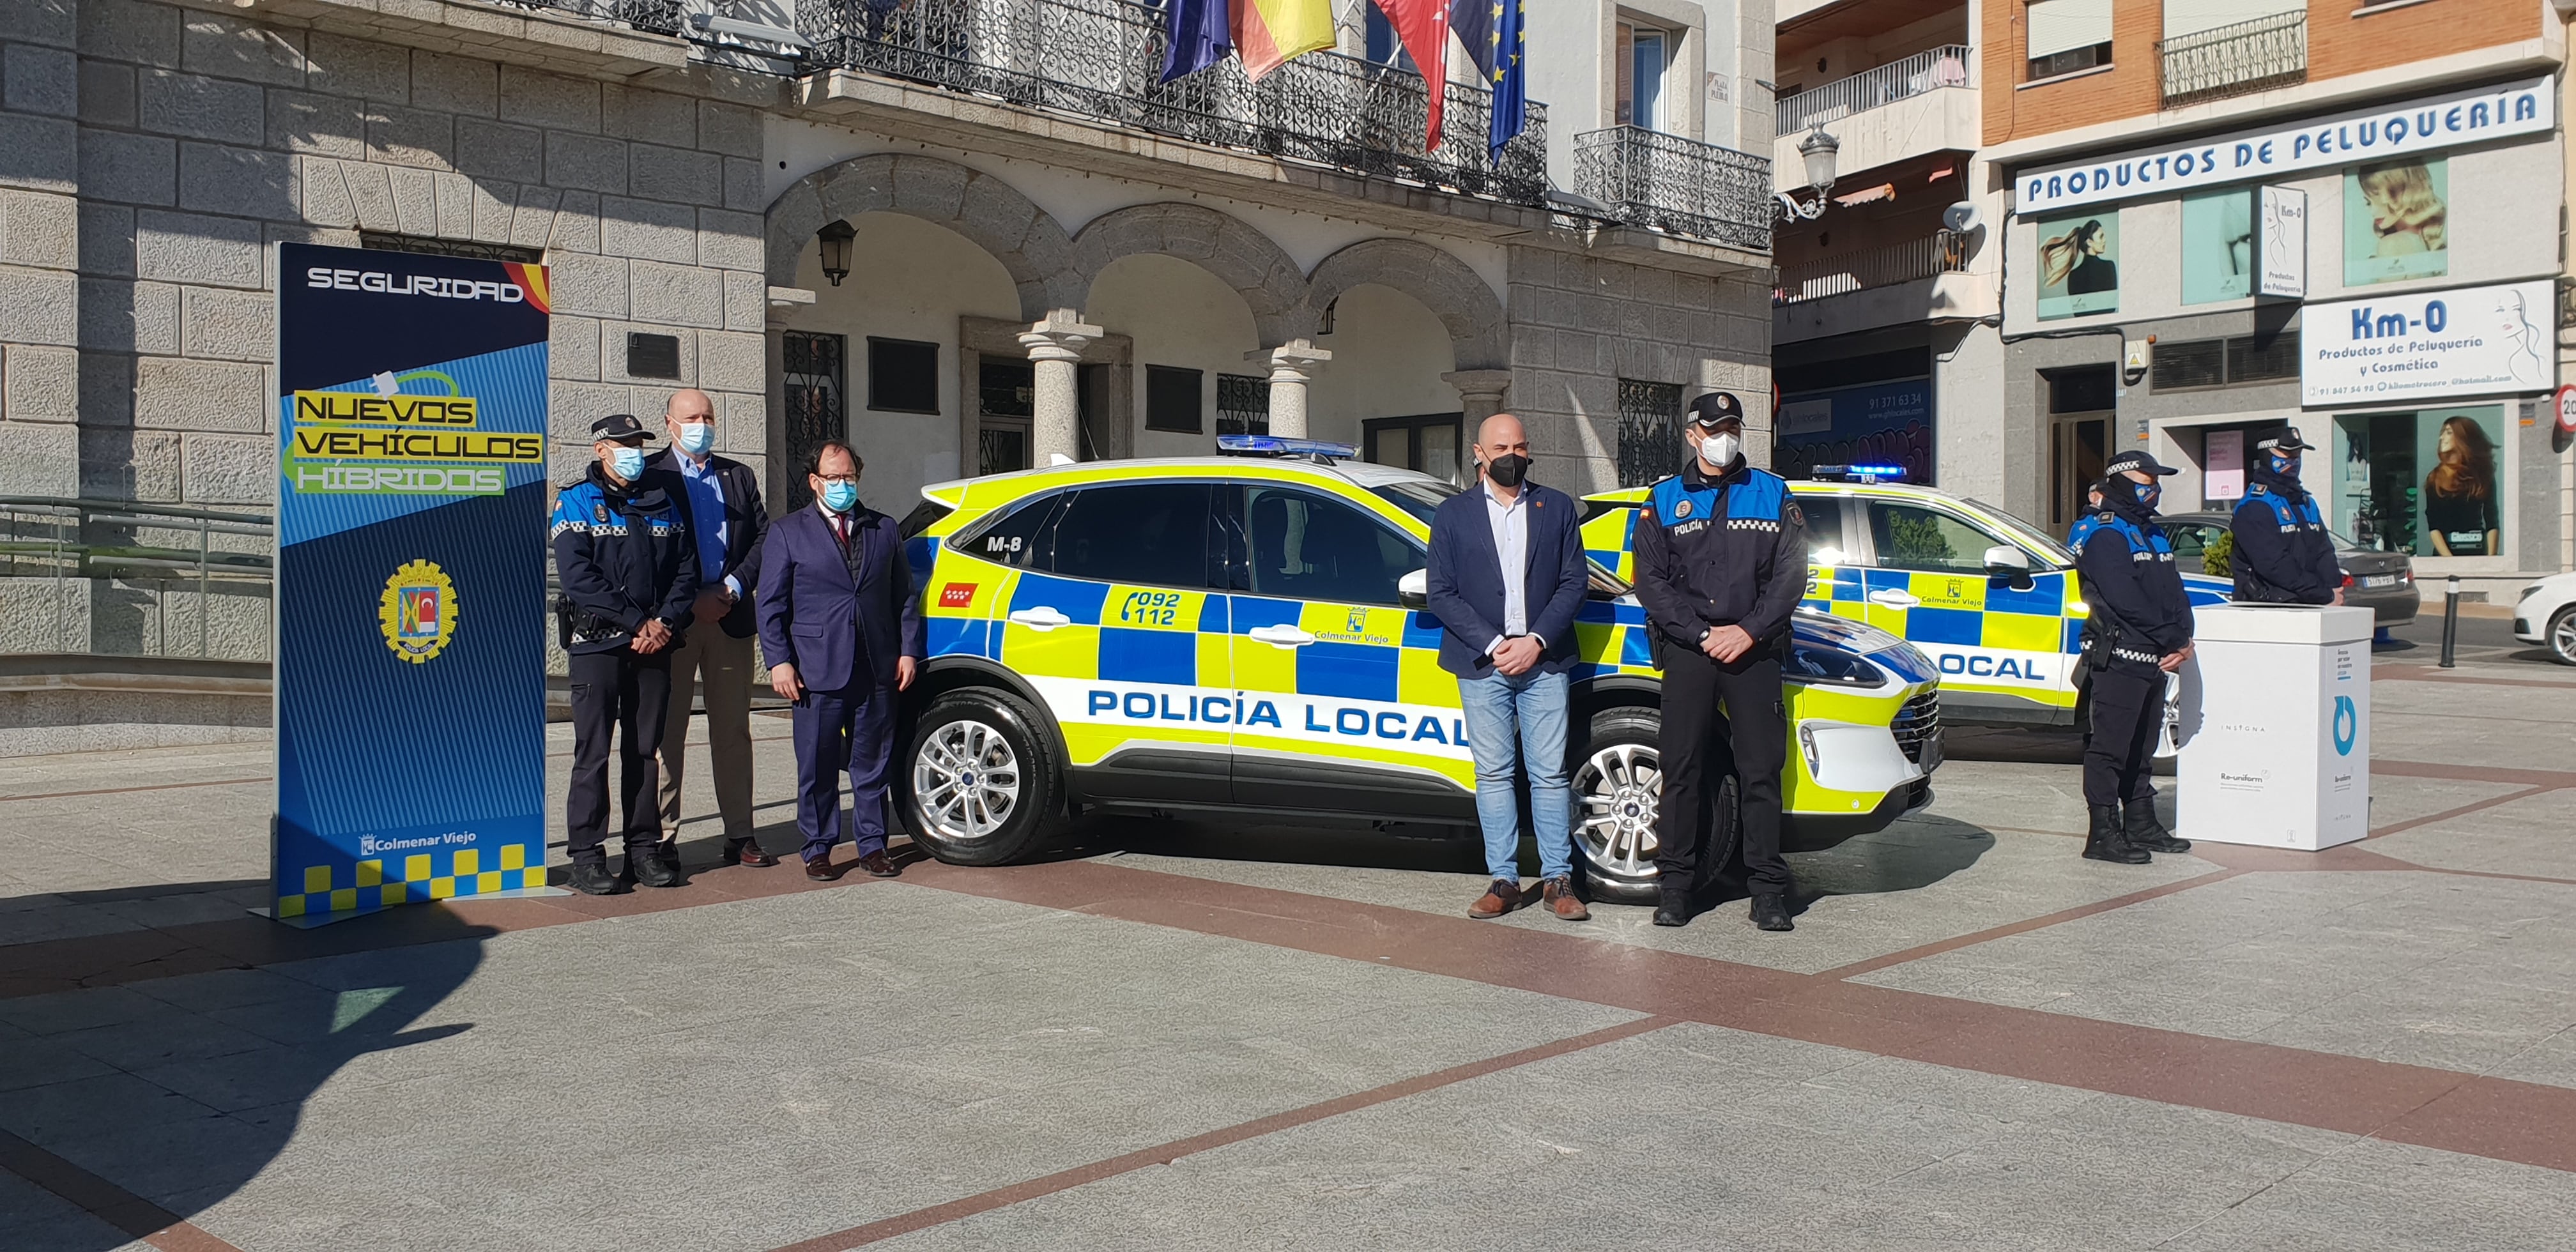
[(1055, 346), (1480, 393), (1292, 364)]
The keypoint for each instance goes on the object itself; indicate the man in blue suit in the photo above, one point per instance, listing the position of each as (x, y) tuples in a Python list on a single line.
[(841, 628), (1507, 576)]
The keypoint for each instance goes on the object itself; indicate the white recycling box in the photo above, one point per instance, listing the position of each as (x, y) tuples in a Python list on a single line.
[(2274, 727)]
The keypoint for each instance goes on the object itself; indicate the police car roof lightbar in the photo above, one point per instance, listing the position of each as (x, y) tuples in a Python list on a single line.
[(1856, 473), (1273, 445)]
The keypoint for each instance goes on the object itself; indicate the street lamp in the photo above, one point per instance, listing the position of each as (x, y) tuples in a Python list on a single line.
[(1818, 148), (835, 239)]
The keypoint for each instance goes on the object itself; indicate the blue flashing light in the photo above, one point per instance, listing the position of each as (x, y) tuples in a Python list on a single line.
[(1274, 445), (1857, 473)]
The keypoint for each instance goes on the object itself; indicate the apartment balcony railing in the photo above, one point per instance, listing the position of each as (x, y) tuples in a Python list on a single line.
[(1100, 58), (2236, 59), (1943, 252), (1676, 185), (1951, 65), (656, 17)]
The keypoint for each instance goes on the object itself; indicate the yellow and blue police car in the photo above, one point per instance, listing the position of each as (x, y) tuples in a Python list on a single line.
[(1992, 599), (1246, 634)]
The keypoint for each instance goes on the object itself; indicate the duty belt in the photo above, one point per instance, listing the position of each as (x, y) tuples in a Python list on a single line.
[(2132, 654)]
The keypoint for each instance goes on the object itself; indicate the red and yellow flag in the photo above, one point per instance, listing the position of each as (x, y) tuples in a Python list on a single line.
[(1268, 33)]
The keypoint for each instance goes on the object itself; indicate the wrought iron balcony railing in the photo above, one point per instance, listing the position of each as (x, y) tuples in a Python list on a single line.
[(1676, 185), (654, 17), (1952, 65), (1943, 252), (2236, 59), (1100, 59)]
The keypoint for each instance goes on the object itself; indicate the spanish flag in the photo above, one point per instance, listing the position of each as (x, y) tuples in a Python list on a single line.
[(1267, 33)]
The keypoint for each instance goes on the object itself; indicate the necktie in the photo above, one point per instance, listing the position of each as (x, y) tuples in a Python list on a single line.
[(841, 531)]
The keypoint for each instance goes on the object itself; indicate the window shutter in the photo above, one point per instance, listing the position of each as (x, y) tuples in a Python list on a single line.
[(2062, 25)]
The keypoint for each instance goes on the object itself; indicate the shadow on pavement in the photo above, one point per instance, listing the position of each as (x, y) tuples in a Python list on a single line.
[(138, 1102)]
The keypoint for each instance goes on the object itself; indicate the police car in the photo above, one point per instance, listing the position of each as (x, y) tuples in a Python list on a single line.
[(1246, 633), (1989, 597)]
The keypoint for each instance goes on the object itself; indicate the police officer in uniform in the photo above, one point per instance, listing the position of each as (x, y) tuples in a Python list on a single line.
[(2283, 554), (2137, 629), (630, 581), (1721, 561)]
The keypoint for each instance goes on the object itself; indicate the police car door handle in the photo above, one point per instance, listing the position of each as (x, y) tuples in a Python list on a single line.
[(1894, 598), (1281, 636), (1043, 617)]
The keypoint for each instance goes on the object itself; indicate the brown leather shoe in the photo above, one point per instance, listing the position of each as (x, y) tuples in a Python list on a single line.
[(1559, 895), (747, 852), (821, 869), (1501, 898), (879, 865)]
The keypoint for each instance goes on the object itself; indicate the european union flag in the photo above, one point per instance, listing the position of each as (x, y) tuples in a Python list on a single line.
[(1495, 33)]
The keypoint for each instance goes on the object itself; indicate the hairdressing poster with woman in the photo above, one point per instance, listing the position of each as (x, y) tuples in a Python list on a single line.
[(2079, 265), (2461, 514), (2394, 223)]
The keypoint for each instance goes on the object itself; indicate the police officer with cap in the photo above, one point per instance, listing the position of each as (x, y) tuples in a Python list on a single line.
[(2137, 629), (1721, 559), (2283, 554), (630, 581)]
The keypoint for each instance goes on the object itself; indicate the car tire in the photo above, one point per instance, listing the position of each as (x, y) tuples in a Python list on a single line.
[(1618, 785), (2561, 639), (979, 781)]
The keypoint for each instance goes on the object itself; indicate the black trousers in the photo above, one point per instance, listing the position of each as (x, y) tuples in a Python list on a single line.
[(622, 696), (2119, 754), (1701, 746)]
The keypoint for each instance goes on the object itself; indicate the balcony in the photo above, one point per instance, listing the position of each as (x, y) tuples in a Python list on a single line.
[(2235, 60), (654, 17), (1925, 103), (1678, 186), (1100, 59), (1918, 280)]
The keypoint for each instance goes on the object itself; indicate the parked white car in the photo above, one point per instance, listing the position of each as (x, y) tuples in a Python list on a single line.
[(2546, 615)]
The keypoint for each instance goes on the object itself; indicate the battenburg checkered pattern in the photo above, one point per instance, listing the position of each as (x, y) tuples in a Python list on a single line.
[(437, 875)]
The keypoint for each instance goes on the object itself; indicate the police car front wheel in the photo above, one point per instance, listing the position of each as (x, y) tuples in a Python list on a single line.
[(979, 782), (1617, 782)]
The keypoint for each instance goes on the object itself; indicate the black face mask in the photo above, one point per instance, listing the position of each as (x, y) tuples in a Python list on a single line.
[(1507, 470)]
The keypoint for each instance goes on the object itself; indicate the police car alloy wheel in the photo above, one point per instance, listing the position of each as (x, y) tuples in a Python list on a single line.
[(2562, 636), (979, 783), (1617, 781)]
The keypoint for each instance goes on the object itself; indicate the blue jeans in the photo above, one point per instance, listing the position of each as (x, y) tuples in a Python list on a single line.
[(1534, 704)]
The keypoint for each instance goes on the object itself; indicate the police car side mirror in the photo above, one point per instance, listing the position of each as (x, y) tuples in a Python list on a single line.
[(1414, 589), (2010, 565)]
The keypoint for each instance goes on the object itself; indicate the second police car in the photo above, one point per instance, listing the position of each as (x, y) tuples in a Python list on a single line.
[(1990, 598), (1246, 634)]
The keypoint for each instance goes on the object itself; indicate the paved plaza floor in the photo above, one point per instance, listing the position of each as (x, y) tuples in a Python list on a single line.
[(1185, 1036)]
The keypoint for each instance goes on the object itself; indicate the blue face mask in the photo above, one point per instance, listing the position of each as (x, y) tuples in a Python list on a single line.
[(628, 463), (2285, 466), (2148, 493), (696, 437), (838, 497)]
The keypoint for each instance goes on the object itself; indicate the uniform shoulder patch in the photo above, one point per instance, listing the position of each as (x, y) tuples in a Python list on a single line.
[(1797, 517), (1682, 509)]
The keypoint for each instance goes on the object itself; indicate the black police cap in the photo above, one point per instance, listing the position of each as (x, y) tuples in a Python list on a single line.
[(1716, 407), (620, 428), (2286, 439), (2135, 461)]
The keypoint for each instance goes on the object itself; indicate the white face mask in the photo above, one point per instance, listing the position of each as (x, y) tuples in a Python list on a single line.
[(1720, 451)]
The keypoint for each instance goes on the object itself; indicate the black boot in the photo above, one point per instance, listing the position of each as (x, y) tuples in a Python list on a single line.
[(644, 863), (2144, 831), (2107, 842), (1673, 907), (1771, 912), (591, 878)]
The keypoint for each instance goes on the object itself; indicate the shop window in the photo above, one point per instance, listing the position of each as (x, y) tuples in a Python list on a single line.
[(2067, 36), (1172, 399), (2218, 246), (903, 376), (2396, 221), (2424, 483)]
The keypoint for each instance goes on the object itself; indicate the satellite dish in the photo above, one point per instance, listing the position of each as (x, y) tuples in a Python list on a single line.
[(1961, 218)]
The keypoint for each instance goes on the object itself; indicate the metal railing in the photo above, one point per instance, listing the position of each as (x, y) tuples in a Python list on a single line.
[(1943, 252), (2235, 59), (1951, 65), (50, 541), (1676, 185), (1100, 59), (657, 17)]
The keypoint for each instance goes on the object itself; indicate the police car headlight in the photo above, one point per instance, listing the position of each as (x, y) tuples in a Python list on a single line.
[(1827, 665)]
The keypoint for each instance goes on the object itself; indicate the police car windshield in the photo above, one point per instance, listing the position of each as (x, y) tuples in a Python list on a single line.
[(1422, 497), (2027, 534)]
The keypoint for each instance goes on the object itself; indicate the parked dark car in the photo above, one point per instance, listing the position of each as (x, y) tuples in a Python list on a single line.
[(2383, 582)]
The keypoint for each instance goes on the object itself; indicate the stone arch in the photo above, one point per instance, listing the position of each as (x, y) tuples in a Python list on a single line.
[(1023, 237), (1443, 283), (1239, 255)]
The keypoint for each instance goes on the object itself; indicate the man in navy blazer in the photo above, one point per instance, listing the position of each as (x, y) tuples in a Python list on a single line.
[(842, 630), (1507, 576)]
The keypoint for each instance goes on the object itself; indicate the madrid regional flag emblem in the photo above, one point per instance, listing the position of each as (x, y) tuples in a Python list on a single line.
[(418, 612)]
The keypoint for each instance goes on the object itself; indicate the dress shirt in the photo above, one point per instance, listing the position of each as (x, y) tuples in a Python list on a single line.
[(1511, 546), (707, 499)]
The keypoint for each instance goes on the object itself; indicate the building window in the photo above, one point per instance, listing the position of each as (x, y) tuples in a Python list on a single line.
[(1642, 62), (903, 376), (1172, 399), (812, 367), (1428, 442), (2067, 36), (1382, 46), (2424, 483), (1651, 446), (2232, 362), (1243, 402)]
